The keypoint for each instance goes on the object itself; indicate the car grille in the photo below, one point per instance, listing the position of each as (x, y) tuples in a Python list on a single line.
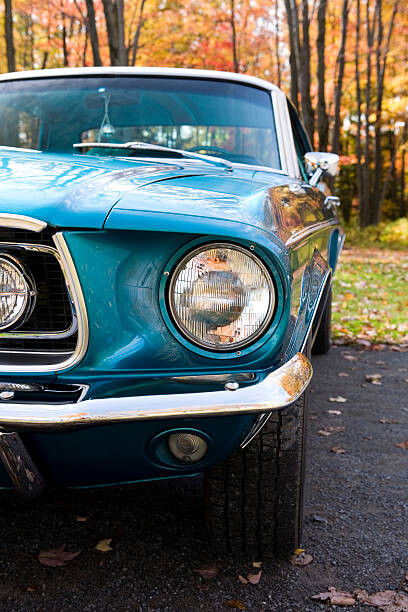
[(53, 312)]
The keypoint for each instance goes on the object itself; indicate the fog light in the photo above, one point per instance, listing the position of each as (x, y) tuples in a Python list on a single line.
[(187, 447)]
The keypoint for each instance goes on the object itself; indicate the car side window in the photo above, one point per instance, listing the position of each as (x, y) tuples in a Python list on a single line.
[(301, 139)]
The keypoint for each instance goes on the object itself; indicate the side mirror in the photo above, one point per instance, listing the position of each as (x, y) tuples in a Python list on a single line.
[(319, 164)]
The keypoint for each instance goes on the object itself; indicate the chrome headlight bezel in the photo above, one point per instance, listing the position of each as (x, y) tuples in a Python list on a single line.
[(28, 293), (236, 348)]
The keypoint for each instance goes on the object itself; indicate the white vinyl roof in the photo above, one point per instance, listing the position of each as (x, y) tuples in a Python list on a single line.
[(128, 71)]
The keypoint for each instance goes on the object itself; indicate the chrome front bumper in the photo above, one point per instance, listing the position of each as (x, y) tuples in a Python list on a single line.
[(279, 389)]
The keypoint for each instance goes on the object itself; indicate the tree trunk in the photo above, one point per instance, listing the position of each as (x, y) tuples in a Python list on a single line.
[(402, 201), (93, 34), (135, 43), (64, 42), (307, 110), (359, 126), (365, 204), (8, 29), (115, 25), (294, 45), (381, 64), (278, 66), (335, 143), (322, 118), (234, 36)]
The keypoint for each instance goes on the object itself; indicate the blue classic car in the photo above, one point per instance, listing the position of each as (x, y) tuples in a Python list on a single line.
[(166, 256)]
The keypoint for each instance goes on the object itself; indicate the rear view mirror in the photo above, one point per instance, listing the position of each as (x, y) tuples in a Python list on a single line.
[(319, 164)]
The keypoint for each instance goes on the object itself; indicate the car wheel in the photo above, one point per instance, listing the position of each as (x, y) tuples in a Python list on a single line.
[(322, 342), (254, 499)]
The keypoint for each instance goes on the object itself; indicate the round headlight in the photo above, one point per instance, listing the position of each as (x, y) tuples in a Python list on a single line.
[(15, 294), (221, 297)]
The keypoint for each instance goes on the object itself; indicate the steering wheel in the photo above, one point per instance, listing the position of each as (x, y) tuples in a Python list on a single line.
[(211, 149)]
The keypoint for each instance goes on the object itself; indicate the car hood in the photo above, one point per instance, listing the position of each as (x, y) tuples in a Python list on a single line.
[(76, 191)]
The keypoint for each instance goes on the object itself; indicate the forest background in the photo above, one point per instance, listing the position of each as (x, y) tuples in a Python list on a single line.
[(344, 63)]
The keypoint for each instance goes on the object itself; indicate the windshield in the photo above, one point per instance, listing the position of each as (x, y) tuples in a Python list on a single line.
[(217, 118)]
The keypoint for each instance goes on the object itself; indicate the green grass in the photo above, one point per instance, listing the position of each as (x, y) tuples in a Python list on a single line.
[(370, 297), (390, 235)]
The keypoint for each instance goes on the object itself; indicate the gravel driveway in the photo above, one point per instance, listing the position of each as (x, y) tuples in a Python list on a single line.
[(355, 518)]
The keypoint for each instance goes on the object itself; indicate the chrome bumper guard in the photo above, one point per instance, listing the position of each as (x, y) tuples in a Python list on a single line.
[(279, 389)]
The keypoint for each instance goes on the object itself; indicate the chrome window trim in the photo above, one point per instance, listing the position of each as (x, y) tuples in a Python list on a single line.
[(277, 111), (62, 253), (288, 144), (21, 222), (140, 71)]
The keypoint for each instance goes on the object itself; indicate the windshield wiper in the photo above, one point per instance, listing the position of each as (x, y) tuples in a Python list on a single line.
[(146, 146)]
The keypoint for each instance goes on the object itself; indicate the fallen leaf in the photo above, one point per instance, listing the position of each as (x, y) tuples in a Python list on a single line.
[(402, 445), (207, 571), (242, 579), (56, 557), (103, 545), (363, 342), (338, 598), (335, 412), (320, 519), (337, 450), (328, 431), (255, 578), (301, 559), (256, 564), (373, 377), (235, 603), (389, 421), (350, 357), (338, 399), (343, 374), (389, 601), (81, 519), (404, 583)]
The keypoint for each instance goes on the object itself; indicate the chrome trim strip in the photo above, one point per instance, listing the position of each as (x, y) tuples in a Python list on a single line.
[(75, 293), (21, 222), (307, 231), (41, 335), (327, 277), (261, 420), (279, 389), (204, 379)]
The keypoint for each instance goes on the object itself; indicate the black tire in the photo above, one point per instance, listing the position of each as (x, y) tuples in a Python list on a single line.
[(254, 499), (322, 342)]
